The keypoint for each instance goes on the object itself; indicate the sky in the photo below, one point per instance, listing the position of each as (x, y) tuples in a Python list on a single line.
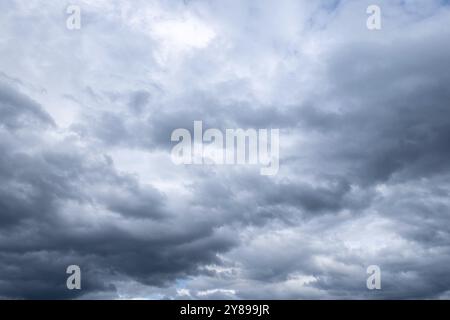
[(87, 179)]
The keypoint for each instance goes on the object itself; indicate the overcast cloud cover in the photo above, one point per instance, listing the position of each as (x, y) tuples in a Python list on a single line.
[(87, 179)]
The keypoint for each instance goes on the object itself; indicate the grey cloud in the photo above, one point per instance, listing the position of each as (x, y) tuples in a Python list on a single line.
[(85, 164), (19, 111), (43, 193)]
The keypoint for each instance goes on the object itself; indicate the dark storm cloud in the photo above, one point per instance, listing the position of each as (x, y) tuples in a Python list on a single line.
[(19, 111), (389, 125), (147, 126), (86, 172), (41, 234), (41, 275), (395, 112)]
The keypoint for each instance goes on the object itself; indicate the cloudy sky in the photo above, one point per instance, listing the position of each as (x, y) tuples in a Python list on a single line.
[(87, 178)]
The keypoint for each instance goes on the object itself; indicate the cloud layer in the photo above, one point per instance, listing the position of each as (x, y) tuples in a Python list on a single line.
[(86, 118)]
